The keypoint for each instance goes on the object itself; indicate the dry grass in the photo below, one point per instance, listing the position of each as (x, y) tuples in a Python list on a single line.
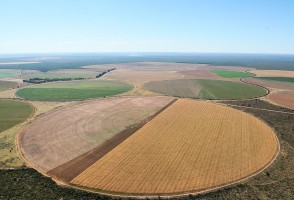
[(8, 153), (62, 135), (8, 94), (273, 73), (43, 106), (191, 146)]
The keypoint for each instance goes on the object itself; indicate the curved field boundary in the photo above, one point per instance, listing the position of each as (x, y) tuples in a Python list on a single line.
[(93, 172), (207, 89), (68, 171), (76, 90), (268, 91)]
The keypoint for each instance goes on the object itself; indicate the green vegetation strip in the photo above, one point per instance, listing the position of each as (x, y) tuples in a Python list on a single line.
[(8, 74), (4, 85), (13, 112), (231, 74), (281, 79), (73, 90), (206, 89)]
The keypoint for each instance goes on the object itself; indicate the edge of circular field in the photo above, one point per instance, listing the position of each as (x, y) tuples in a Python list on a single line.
[(153, 196)]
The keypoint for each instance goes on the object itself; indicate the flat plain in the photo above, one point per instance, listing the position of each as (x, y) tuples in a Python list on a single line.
[(231, 74), (191, 146), (273, 73), (5, 85), (283, 98), (73, 90), (62, 135), (205, 89), (13, 112)]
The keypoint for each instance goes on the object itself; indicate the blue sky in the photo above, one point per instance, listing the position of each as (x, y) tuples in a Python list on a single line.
[(251, 26)]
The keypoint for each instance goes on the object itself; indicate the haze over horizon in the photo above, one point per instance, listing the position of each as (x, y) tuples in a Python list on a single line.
[(147, 26)]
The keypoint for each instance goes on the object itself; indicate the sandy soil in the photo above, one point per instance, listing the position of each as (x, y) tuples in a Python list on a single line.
[(273, 73), (283, 98), (73, 168), (59, 136)]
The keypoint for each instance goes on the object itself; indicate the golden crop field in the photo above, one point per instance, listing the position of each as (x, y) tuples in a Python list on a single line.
[(191, 146)]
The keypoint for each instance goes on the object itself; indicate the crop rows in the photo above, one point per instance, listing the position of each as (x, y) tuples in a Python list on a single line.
[(191, 146)]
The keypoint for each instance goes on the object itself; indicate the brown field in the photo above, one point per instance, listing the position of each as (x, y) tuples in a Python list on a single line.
[(270, 84), (62, 135), (200, 74), (131, 76), (283, 98), (273, 73), (191, 146)]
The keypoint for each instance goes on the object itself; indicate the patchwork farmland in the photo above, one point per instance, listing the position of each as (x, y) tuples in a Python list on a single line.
[(73, 90), (65, 134), (190, 147), (140, 143), (205, 89)]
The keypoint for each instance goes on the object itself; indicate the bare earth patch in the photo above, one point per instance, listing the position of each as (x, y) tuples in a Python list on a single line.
[(59, 136), (283, 98), (273, 73), (270, 84)]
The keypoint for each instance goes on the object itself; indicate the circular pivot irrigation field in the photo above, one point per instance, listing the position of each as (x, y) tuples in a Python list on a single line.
[(73, 90), (205, 89), (189, 147)]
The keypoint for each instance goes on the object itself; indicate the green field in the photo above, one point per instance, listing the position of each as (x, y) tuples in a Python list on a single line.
[(4, 85), (281, 79), (205, 89), (13, 112), (8, 74), (231, 74), (51, 75), (73, 90)]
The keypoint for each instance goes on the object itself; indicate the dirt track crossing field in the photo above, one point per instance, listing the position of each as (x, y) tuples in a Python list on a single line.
[(58, 137), (191, 146)]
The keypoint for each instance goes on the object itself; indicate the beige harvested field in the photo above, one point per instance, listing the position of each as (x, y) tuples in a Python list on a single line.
[(131, 76), (270, 84), (273, 73), (200, 74), (283, 98), (191, 146), (62, 135), (157, 66)]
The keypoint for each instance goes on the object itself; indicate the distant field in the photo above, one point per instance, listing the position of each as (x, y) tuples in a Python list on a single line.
[(283, 98), (8, 74), (72, 73), (281, 79), (205, 89), (270, 83), (4, 85), (13, 112), (231, 74), (189, 147), (73, 90), (273, 73)]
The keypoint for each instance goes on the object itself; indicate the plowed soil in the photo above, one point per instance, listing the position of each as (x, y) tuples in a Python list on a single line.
[(62, 135), (284, 98)]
